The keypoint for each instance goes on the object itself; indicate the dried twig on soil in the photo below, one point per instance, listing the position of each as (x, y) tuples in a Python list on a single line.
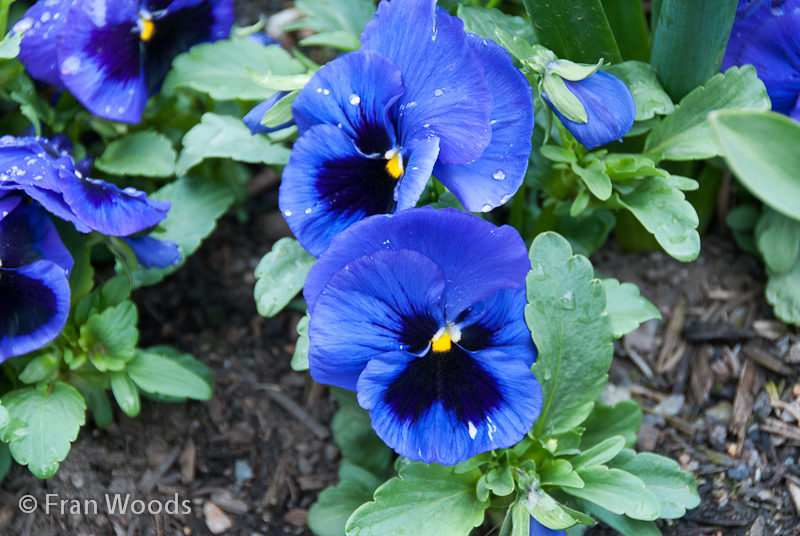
[(767, 360), (666, 359), (743, 402), (149, 480), (780, 428), (274, 393)]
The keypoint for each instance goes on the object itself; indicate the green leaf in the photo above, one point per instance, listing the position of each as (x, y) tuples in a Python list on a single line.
[(280, 275), (277, 82), (223, 136), (484, 20), (147, 153), (689, 40), (628, 23), (626, 308), (339, 39), (576, 30), (300, 357), (197, 204), (328, 516), (586, 233), (333, 15), (676, 490), (43, 367), (110, 337), (94, 394), (9, 49), (161, 375), (559, 473), (517, 46), (544, 509), (778, 241), (81, 279), (126, 394), (621, 523), (783, 293), (4, 420), (557, 153), (53, 417), (623, 419), (687, 133), (566, 314), (5, 460), (500, 481), (743, 218), (665, 213), (648, 95), (281, 112), (761, 149), (352, 431), (617, 491), (598, 454), (424, 500), (595, 178), (520, 519), (563, 99), (218, 69)]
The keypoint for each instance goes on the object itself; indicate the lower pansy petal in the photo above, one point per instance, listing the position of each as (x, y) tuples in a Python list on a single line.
[(353, 92), (252, 119), (492, 179), (537, 529), (151, 252), (419, 158), (498, 322), (40, 26), (446, 92), (329, 185), (34, 306), (393, 303), (111, 211), (28, 235), (100, 61), (477, 257), (446, 407)]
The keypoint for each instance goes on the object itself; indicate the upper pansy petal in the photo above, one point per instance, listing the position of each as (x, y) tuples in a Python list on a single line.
[(151, 252), (498, 322), (393, 303), (34, 306), (40, 26), (353, 92), (446, 92), (100, 60), (609, 106), (329, 185), (537, 529), (111, 211), (181, 25), (27, 235), (446, 407), (252, 119), (477, 257), (495, 176)]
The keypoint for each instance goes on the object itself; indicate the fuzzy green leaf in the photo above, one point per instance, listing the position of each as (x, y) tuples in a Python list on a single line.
[(625, 525), (617, 491), (300, 357), (280, 113), (778, 241), (566, 314), (126, 394), (333, 15), (626, 308), (328, 516), (623, 419), (485, 20), (161, 375), (425, 500), (352, 431), (559, 473), (148, 153), (53, 416), (339, 39), (595, 178), (783, 293), (110, 337), (280, 275), (598, 454)]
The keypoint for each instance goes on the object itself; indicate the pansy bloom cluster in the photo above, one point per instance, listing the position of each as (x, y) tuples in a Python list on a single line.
[(38, 176), (421, 96), (112, 54)]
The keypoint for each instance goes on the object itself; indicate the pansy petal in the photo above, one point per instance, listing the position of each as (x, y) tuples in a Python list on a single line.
[(329, 185), (28, 235), (420, 158), (111, 211), (99, 59), (537, 529), (27, 161), (392, 298), (498, 322), (477, 257), (353, 92), (492, 179), (446, 407), (151, 252), (8, 202), (53, 202), (253, 118), (795, 113), (34, 306), (446, 92), (183, 24), (609, 106), (40, 26)]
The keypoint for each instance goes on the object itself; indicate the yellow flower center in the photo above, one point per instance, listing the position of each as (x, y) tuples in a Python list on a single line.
[(148, 27), (442, 344), (395, 163)]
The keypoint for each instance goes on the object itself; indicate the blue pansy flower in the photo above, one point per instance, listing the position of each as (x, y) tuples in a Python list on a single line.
[(112, 54), (537, 529), (45, 171), (421, 313), (420, 96), (253, 118), (769, 39), (609, 106), (153, 253), (34, 278)]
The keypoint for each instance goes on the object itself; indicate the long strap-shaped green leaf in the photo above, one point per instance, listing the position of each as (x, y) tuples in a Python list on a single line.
[(575, 30), (629, 25), (689, 40)]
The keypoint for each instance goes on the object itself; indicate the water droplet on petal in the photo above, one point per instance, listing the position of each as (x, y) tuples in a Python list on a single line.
[(326, 91), (319, 90), (308, 211), (438, 93), (426, 125), (355, 100), (287, 213), (486, 208), (499, 174)]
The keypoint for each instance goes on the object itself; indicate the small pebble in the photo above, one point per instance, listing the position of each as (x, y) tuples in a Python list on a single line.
[(216, 520)]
